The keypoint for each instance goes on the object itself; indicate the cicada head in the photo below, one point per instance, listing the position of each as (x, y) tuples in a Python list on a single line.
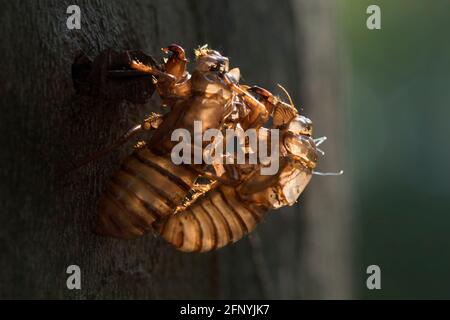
[(297, 133), (298, 142), (210, 60), (300, 125)]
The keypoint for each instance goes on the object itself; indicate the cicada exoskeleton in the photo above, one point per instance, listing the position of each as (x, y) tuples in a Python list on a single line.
[(152, 193)]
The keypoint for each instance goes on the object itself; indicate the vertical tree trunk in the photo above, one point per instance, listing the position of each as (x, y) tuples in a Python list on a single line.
[(326, 258), (48, 212)]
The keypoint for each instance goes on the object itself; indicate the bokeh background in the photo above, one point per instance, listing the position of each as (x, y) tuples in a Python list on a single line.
[(397, 96), (380, 96)]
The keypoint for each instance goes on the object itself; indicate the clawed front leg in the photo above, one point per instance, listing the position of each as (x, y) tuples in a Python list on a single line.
[(177, 62), (132, 75), (152, 70), (171, 79), (174, 69)]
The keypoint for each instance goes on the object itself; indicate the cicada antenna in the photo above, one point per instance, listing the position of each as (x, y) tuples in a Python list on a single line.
[(287, 94), (328, 173)]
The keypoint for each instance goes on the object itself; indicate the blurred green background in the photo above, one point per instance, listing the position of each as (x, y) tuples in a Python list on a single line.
[(398, 101)]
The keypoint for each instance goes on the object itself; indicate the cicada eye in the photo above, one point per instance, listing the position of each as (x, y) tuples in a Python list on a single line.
[(307, 126), (301, 126), (301, 147)]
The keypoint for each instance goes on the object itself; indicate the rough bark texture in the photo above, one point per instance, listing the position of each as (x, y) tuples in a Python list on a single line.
[(48, 213)]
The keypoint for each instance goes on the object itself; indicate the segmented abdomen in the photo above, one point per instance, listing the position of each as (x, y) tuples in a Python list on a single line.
[(148, 187), (213, 221), (143, 195)]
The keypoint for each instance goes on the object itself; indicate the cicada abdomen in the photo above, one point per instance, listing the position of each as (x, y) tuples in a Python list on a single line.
[(219, 218), (147, 187)]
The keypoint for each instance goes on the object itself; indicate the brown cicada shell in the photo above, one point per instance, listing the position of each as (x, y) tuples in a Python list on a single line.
[(151, 193)]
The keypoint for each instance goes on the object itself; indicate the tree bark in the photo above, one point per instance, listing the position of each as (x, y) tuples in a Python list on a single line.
[(326, 247), (48, 212)]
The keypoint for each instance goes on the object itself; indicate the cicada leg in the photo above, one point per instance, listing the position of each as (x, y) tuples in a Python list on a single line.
[(258, 111), (176, 64), (150, 123)]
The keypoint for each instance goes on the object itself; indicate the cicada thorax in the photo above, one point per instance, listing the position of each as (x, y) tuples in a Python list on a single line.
[(208, 105), (147, 187)]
